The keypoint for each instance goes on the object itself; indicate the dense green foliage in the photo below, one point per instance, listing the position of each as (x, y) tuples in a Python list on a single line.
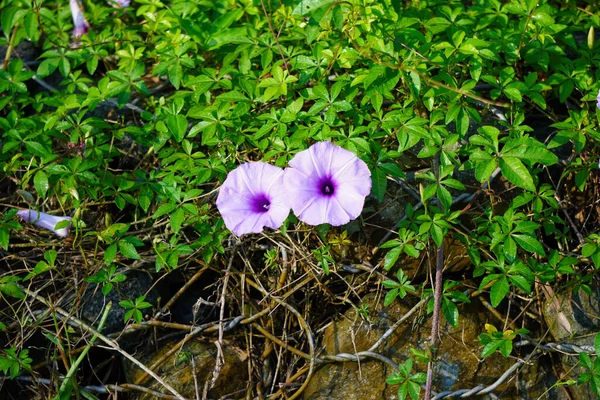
[(130, 129)]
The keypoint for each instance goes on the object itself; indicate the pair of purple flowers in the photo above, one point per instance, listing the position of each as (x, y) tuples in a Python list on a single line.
[(323, 184), (81, 24)]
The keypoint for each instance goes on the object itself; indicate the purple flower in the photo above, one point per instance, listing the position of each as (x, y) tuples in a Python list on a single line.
[(598, 99), (252, 197), (45, 221), (120, 3), (81, 24), (327, 184)]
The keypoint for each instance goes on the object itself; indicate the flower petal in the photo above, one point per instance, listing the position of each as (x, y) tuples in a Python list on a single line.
[(45, 221), (351, 203), (346, 174), (120, 3), (355, 177), (247, 185), (81, 24)]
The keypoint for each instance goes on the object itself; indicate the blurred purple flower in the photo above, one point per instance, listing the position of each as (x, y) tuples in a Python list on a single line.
[(81, 24), (252, 197), (327, 184), (598, 99), (120, 3), (45, 221)]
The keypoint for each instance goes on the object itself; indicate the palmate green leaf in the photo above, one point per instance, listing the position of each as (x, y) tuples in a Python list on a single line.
[(516, 173)]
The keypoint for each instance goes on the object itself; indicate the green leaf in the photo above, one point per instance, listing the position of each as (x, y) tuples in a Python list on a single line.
[(128, 249), (565, 90), (450, 312), (499, 291), (391, 257), (516, 173), (413, 390), (40, 181), (490, 348), (390, 297), (445, 197), (233, 96), (513, 94), (462, 124), (177, 218), (588, 249), (177, 125), (12, 290), (452, 113), (4, 238), (379, 187), (437, 234), (163, 209), (521, 282), (529, 243)]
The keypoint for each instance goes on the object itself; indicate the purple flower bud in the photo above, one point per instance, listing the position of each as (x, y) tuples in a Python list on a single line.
[(45, 221), (327, 184), (81, 24), (253, 197), (598, 99)]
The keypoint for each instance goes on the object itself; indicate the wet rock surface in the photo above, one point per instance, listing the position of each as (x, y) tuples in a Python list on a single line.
[(573, 317), (458, 365), (190, 369), (138, 283)]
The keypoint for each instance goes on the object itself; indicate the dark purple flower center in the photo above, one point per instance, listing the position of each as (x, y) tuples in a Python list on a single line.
[(327, 187), (261, 203)]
